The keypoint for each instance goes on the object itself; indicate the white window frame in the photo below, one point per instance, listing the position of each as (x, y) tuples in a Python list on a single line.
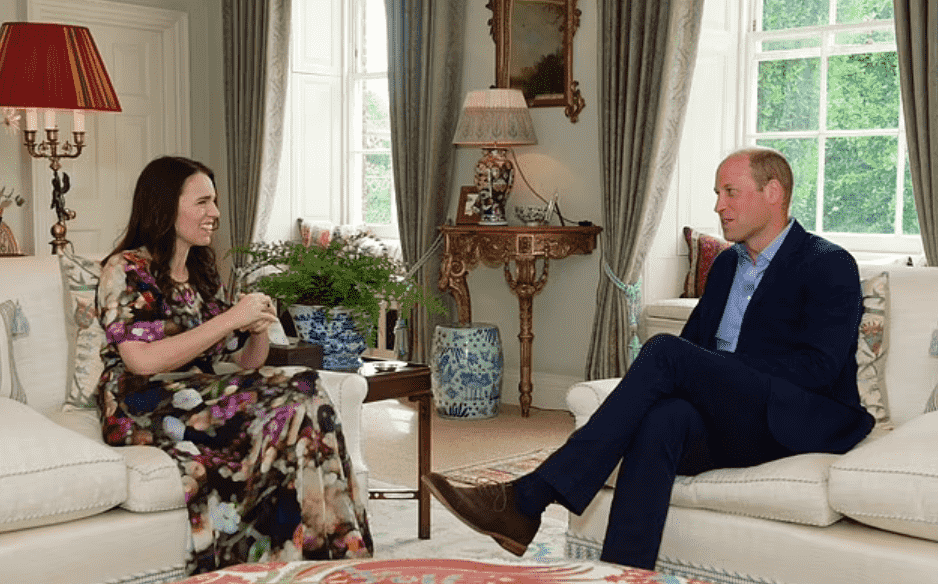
[(318, 166), (354, 81), (751, 56)]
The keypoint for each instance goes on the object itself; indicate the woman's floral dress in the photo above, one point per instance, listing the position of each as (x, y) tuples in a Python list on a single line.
[(263, 462)]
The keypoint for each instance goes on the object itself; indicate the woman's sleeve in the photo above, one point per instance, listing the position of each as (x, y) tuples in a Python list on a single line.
[(129, 302)]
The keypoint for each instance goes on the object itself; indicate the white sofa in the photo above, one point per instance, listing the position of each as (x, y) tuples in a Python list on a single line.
[(869, 516), (73, 510)]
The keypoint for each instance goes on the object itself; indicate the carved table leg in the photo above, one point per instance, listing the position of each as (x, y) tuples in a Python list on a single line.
[(453, 280), (525, 285)]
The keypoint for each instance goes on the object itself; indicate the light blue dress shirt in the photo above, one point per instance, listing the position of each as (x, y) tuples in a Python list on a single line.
[(747, 278)]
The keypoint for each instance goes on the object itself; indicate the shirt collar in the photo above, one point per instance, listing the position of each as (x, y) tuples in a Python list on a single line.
[(765, 257)]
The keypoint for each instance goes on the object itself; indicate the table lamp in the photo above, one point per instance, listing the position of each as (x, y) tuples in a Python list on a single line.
[(495, 120), (53, 67)]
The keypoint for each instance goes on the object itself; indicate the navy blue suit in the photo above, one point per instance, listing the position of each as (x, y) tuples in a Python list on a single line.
[(685, 407)]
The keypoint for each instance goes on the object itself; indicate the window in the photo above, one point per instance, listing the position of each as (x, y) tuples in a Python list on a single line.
[(337, 153), (823, 88)]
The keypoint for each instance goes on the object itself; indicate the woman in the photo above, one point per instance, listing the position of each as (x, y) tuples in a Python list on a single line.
[(263, 461)]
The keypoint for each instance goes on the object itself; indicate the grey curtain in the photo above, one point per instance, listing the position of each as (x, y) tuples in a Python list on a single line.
[(646, 59), (256, 48), (917, 42), (425, 53)]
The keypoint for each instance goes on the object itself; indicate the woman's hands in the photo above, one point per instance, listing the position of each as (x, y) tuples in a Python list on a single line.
[(254, 313)]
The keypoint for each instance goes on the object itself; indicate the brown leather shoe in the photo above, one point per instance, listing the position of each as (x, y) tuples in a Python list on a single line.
[(489, 509)]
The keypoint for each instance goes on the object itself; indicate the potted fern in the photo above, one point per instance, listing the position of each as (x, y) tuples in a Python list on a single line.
[(333, 288)]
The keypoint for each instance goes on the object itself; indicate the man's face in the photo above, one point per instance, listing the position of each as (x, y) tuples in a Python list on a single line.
[(744, 211)]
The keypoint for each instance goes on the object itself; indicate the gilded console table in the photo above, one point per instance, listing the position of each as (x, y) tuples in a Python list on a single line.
[(466, 245)]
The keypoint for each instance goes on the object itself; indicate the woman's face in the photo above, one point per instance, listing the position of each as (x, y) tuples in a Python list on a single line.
[(197, 216)]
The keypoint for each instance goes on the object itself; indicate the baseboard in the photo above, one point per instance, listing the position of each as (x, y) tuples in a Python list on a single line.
[(550, 390)]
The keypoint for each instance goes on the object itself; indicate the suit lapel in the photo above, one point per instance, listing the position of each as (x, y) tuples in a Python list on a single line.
[(778, 267)]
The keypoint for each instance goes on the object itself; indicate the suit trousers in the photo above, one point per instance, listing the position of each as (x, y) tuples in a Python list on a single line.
[(680, 409)]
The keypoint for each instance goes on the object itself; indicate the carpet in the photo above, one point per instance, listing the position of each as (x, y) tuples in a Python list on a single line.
[(394, 530), (500, 470), (394, 522)]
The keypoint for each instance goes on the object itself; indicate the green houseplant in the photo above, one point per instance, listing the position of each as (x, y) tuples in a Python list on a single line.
[(347, 270)]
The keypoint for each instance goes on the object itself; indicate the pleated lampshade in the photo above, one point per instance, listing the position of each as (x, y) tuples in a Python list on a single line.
[(53, 66), (495, 118)]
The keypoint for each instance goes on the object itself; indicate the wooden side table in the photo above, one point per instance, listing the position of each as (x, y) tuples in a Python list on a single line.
[(413, 382), (466, 245)]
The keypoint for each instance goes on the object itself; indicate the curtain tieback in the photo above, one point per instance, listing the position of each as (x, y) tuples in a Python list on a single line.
[(431, 251)]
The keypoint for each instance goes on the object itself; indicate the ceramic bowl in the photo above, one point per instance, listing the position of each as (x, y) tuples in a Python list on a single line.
[(531, 214)]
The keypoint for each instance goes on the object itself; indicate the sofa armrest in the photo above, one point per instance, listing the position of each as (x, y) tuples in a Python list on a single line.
[(347, 392), (583, 398)]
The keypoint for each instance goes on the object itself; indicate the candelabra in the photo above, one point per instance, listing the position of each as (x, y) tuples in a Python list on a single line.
[(49, 67), (50, 149)]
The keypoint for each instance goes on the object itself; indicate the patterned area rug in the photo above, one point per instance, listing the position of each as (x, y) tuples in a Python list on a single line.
[(498, 471), (394, 529)]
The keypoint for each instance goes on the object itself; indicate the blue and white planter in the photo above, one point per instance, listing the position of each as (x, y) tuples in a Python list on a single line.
[(466, 371), (342, 344)]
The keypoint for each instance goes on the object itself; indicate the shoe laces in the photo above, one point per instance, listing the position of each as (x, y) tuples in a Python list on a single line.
[(496, 490)]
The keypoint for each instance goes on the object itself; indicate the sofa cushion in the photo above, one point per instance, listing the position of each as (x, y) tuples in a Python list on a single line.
[(154, 482), (49, 474), (702, 249), (85, 335), (792, 489), (13, 324), (892, 483), (872, 346)]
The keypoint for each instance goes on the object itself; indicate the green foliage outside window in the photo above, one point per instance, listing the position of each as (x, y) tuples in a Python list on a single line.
[(861, 94)]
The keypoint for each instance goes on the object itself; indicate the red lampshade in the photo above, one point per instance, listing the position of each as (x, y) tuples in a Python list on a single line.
[(53, 66)]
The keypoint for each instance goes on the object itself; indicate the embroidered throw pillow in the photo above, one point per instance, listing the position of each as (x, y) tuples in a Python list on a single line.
[(702, 249), (85, 335), (13, 325), (872, 347)]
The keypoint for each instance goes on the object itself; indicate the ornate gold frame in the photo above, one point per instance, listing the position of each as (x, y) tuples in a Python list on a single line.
[(503, 13)]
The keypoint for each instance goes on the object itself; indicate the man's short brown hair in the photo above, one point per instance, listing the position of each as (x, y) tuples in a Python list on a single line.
[(766, 164)]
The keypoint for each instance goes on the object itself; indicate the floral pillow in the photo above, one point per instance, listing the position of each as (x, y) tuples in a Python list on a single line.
[(13, 325), (703, 249), (872, 346), (85, 335)]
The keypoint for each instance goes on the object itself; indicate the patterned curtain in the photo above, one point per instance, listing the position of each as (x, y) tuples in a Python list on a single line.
[(256, 49), (647, 53), (425, 54), (917, 42)]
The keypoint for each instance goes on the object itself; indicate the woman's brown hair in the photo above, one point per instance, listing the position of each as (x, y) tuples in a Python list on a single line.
[(152, 224)]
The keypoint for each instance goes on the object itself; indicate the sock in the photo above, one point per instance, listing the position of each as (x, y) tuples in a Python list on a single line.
[(534, 494)]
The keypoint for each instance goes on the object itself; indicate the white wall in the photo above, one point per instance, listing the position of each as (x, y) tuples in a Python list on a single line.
[(565, 159), (206, 113)]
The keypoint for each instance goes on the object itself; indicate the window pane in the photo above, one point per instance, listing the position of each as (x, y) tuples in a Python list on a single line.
[(854, 11), (865, 38), (803, 158), (860, 184), (863, 91), (374, 57), (376, 118), (782, 14), (909, 215), (789, 44), (377, 183), (789, 95)]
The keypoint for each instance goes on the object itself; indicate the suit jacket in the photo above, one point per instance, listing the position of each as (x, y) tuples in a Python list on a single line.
[(800, 329)]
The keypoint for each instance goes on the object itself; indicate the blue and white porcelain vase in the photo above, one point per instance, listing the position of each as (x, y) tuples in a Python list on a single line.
[(342, 344), (466, 370)]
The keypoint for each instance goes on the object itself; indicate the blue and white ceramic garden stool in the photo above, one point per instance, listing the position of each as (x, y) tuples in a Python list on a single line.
[(466, 370)]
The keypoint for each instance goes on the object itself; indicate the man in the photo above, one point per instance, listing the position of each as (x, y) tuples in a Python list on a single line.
[(764, 368)]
